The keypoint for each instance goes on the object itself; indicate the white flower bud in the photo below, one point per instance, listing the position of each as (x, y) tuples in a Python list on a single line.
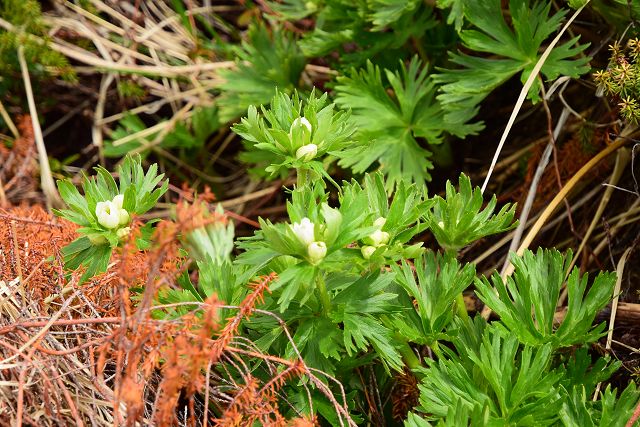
[(367, 251), (108, 214), (307, 152), (118, 201), (380, 222), (301, 121), (305, 231), (316, 251), (379, 238), (123, 232), (123, 217)]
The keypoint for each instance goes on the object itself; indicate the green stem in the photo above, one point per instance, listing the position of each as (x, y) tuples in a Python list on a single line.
[(325, 300), (461, 307), (408, 355), (303, 175), (435, 348)]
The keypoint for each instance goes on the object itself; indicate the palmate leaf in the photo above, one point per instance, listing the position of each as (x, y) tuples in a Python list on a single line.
[(458, 415), (517, 47), (579, 410), (389, 126), (513, 384), (386, 12), (293, 10), (581, 371), (440, 281), (377, 28), (527, 303), (619, 13), (456, 11), (264, 63), (357, 307)]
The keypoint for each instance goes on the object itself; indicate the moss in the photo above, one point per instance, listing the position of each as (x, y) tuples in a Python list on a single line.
[(43, 62)]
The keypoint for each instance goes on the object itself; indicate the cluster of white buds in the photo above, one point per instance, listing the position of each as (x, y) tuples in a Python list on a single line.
[(376, 239), (112, 215), (305, 231), (307, 151)]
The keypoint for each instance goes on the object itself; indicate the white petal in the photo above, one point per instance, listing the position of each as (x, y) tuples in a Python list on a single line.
[(302, 121), (307, 152), (367, 251), (108, 215), (118, 201), (304, 230)]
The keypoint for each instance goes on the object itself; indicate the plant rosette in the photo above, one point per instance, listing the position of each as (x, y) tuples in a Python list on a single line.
[(105, 209), (306, 239), (294, 134)]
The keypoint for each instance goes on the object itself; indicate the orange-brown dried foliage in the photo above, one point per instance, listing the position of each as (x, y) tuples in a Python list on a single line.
[(405, 395), (18, 167), (571, 156), (28, 237), (159, 364)]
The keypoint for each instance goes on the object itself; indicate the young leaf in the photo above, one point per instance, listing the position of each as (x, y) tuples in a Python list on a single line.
[(280, 135), (387, 12), (580, 410), (81, 252), (104, 212), (459, 219)]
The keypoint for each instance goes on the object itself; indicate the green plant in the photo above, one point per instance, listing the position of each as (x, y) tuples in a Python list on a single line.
[(379, 28), (517, 47), (527, 303), (354, 292), (25, 29), (440, 280), (364, 275), (512, 370), (459, 219), (105, 211), (265, 63), (389, 126), (506, 382), (293, 133), (26, 17), (185, 136)]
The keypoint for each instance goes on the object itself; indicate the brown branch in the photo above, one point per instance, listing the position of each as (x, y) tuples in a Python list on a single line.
[(40, 323)]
